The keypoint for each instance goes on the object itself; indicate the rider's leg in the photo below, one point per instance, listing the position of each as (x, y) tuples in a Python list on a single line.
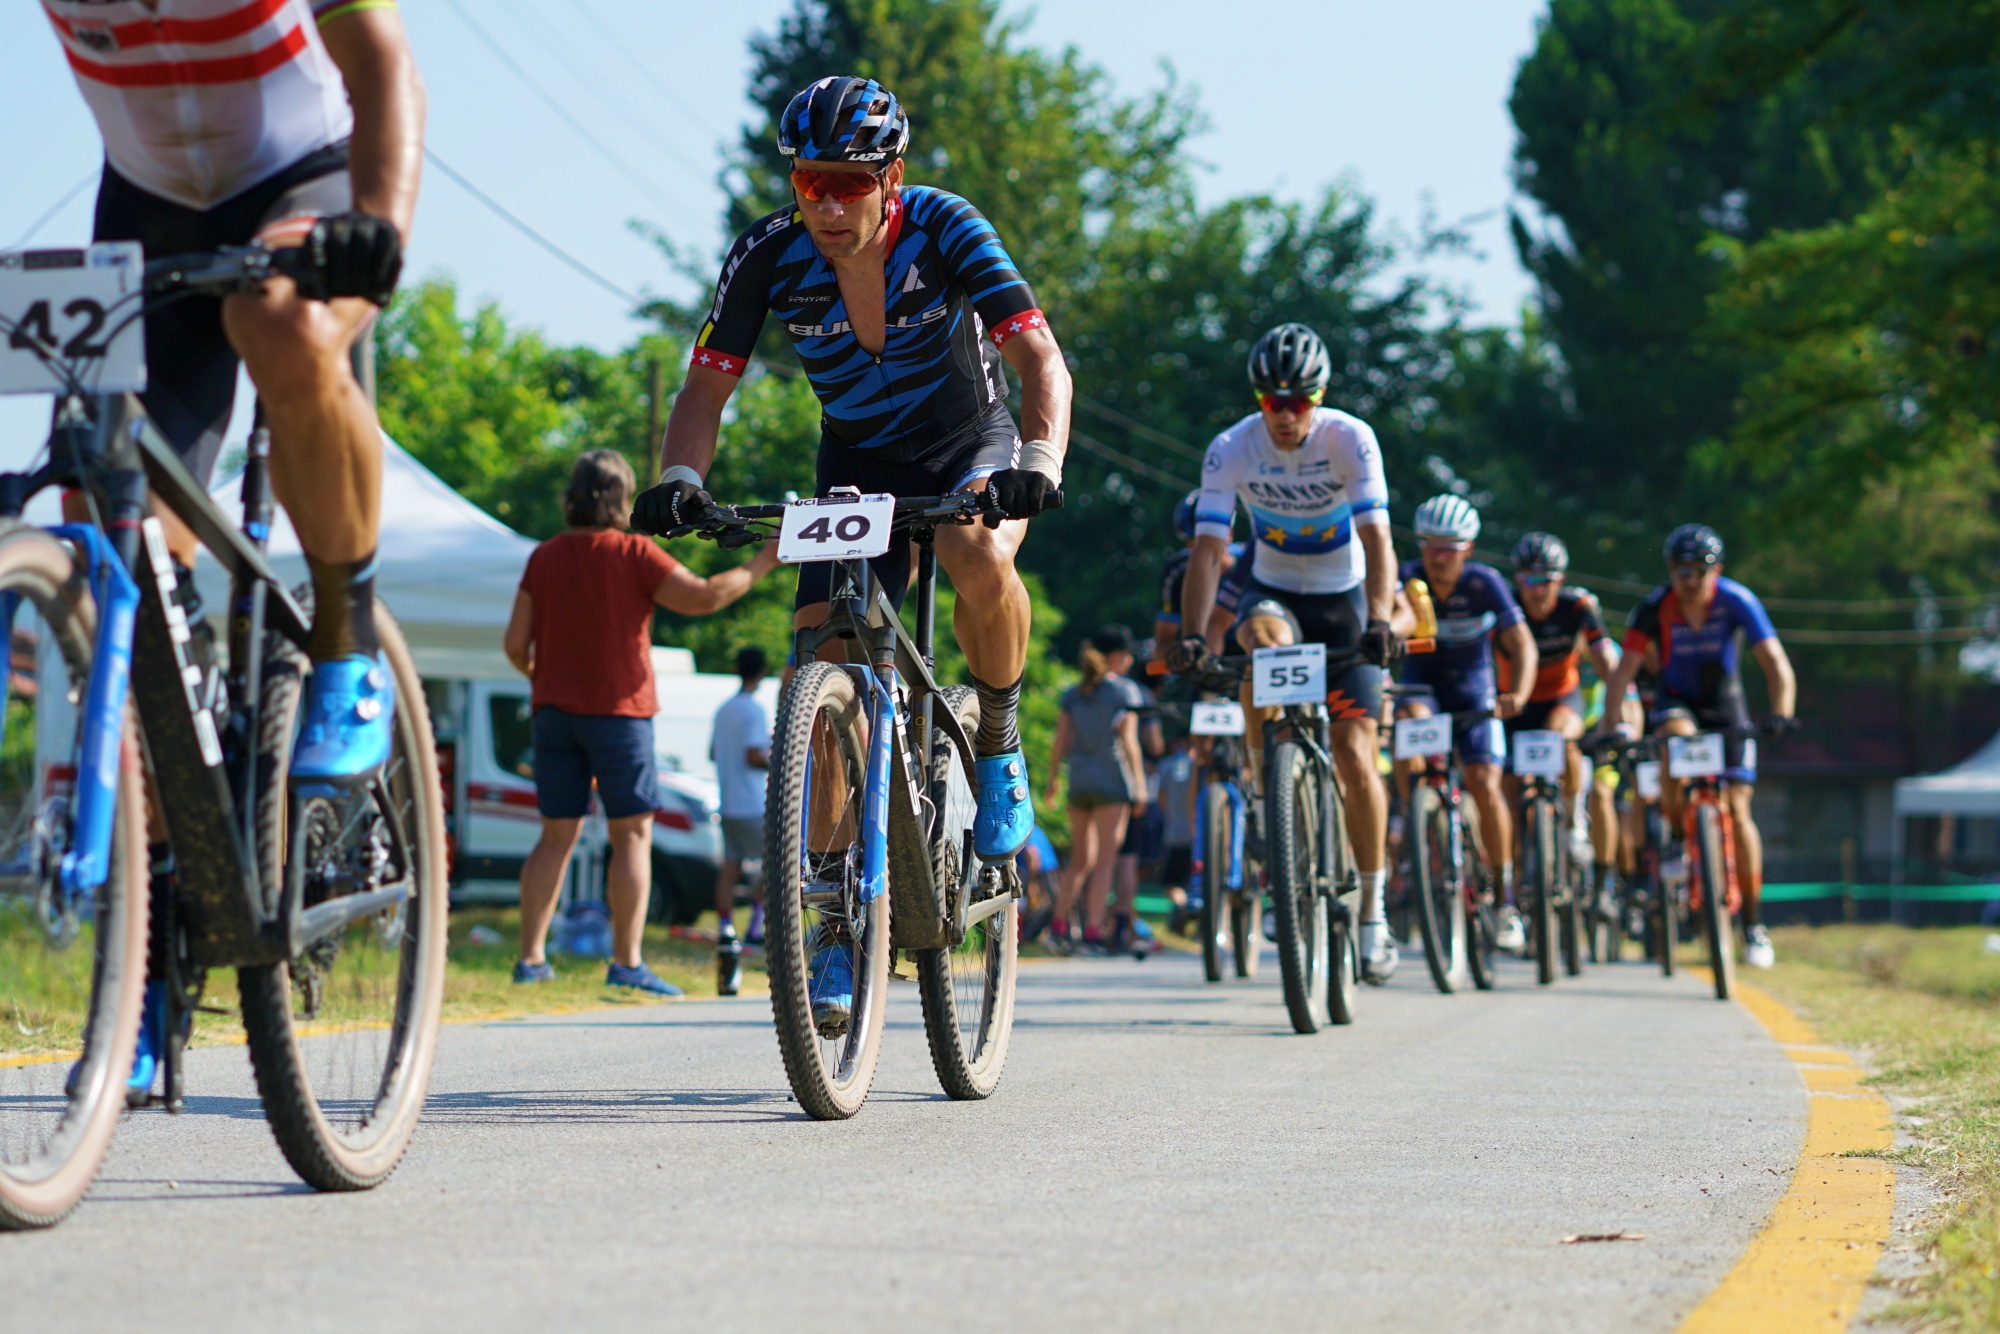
[(1749, 853), (628, 884), (1366, 803), (1254, 633), (1496, 824), (1670, 787), (541, 884)]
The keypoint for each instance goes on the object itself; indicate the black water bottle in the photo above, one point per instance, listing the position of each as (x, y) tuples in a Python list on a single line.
[(728, 965)]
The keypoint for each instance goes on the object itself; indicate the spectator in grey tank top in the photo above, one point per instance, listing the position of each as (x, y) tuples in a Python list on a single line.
[(1098, 733)]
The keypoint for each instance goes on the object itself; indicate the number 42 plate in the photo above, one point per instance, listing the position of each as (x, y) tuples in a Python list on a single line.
[(73, 306), (846, 527)]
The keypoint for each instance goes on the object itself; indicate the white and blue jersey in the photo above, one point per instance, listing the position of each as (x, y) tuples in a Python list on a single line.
[(1304, 503)]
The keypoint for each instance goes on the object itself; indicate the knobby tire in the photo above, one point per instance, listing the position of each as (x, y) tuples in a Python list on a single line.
[(1302, 912), (1715, 900)]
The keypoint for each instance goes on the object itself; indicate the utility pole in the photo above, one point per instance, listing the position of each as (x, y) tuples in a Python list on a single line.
[(653, 421)]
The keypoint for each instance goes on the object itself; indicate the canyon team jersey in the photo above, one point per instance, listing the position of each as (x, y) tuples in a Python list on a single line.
[(199, 100), (1304, 503)]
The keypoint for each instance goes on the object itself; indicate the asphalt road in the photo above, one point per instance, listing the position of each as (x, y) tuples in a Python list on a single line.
[(1162, 1154)]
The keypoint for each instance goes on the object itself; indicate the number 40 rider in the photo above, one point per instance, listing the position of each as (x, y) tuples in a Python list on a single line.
[(901, 304)]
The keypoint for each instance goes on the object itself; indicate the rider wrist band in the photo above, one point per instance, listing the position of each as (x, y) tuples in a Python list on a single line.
[(1042, 456), (680, 472)]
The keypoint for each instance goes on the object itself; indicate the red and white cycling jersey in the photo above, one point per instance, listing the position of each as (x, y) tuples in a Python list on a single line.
[(199, 100)]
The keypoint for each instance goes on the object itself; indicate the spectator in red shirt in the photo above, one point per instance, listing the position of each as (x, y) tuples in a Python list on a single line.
[(581, 632)]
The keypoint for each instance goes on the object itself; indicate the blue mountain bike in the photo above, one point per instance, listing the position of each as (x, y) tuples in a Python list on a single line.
[(868, 835), (328, 904)]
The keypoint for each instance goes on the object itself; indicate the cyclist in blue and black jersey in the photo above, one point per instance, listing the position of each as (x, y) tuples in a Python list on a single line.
[(901, 303), (1167, 620), (1687, 631), (1475, 611)]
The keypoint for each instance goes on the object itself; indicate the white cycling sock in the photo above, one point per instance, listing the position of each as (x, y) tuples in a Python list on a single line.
[(1373, 883)]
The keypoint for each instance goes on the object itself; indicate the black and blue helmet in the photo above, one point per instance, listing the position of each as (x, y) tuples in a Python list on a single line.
[(844, 118)]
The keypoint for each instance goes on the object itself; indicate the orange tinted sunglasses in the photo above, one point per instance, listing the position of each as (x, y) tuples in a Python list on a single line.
[(1288, 403), (843, 187)]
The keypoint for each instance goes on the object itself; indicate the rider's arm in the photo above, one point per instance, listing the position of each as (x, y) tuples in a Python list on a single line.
[(1381, 551), (1127, 739), (695, 420), (518, 643), (689, 594), (1204, 576), (386, 156), (1045, 386), (1522, 656), (1778, 676)]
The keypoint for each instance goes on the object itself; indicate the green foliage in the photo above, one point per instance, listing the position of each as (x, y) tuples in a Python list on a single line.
[(500, 414)]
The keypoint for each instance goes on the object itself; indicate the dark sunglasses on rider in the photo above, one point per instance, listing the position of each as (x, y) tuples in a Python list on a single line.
[(1689, 569), (843, 187), (1288, 403), (1535, 580)]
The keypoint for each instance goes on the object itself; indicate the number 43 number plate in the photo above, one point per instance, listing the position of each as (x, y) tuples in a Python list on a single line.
[(69, 305), (836, 528)]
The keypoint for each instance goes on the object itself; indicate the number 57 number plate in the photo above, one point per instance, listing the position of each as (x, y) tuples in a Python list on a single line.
[(75, 307), (835, 528)]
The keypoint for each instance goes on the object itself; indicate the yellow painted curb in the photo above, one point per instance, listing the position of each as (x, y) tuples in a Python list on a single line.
[(1809, 1267)]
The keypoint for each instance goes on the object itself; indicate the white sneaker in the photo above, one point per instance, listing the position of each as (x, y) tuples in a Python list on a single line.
[(1757, 951), (1513, 933), (1378, 953)]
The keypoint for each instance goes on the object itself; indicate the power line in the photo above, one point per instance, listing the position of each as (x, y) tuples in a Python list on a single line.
[(625, 169), (1138, 428), (55, 208), (565, 56), (624, 51), (1124, 460), (544, 242)]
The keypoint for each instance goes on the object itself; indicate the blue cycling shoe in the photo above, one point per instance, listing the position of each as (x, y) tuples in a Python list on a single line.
[(832, 990), (527, 974), (350, 711), (152, 1044), (1006, 814), (639, 978)]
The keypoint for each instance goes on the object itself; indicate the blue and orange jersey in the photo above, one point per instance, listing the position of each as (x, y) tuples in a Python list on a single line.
[(950, 287), (1698, 662)]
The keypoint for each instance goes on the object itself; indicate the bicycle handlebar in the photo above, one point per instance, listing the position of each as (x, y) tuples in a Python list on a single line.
[(733, 526), (229, 271)]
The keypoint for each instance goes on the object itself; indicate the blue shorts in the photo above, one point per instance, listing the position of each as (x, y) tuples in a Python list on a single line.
[(573, 748), (1477, 740)]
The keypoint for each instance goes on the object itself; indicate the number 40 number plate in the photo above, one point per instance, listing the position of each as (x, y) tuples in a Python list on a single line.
[(69, 305), (836, 528)]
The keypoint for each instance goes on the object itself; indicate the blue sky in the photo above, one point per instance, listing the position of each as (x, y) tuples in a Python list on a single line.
[(1409, 99)]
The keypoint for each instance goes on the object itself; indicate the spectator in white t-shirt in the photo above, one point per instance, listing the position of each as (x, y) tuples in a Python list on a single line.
[(741, 749)]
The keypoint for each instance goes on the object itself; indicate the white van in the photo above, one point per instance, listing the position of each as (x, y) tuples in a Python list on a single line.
[(485, 755)]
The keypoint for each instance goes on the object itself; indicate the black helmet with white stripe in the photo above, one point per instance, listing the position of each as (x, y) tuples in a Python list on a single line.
[(1541, 554), (844, 118), (1693, 544), (1290, 361)]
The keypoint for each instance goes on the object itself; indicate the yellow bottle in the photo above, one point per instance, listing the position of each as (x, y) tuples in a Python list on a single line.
[(1419, 594)]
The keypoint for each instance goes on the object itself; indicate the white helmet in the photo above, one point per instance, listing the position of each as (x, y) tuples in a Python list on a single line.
[(1447, 516)]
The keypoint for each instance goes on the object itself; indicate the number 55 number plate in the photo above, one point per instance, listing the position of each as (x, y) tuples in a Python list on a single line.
[(1294, 674), (68, 305), (835, 528)]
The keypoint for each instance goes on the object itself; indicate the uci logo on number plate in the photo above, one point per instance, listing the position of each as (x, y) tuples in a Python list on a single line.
[(1294, 674), (1539, 754), (847, 527)]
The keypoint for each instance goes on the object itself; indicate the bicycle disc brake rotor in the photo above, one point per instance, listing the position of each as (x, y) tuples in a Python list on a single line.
[(48, 840)]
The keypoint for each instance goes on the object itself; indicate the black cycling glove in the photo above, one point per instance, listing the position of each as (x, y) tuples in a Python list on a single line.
[(669, 505), (1186, 655), (1379, 645), (1023, 492), (1777, 724), (353, 254)]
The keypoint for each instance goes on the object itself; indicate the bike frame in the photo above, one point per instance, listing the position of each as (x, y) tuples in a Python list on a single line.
[(1217, 773)]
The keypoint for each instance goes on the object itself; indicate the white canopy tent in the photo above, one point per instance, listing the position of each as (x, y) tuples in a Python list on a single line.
[(1970, 788), (448, 572)]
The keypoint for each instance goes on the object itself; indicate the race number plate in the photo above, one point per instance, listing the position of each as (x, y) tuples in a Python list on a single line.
[(69, 305), (1421, 738), (1695, 756), (1539, 754), (1216, 717), (835, 528), (1647, 774), (1294, 674)]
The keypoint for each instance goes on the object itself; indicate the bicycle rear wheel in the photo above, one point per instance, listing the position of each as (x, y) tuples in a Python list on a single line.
[(1715, 900), (1440, 899), (813, 833), (1607, 929), (72, 968), (1303, 912), (1539, 882), (967, 987), (1216, 900), (1665, 923), (342, 1037), (1246, 923)]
